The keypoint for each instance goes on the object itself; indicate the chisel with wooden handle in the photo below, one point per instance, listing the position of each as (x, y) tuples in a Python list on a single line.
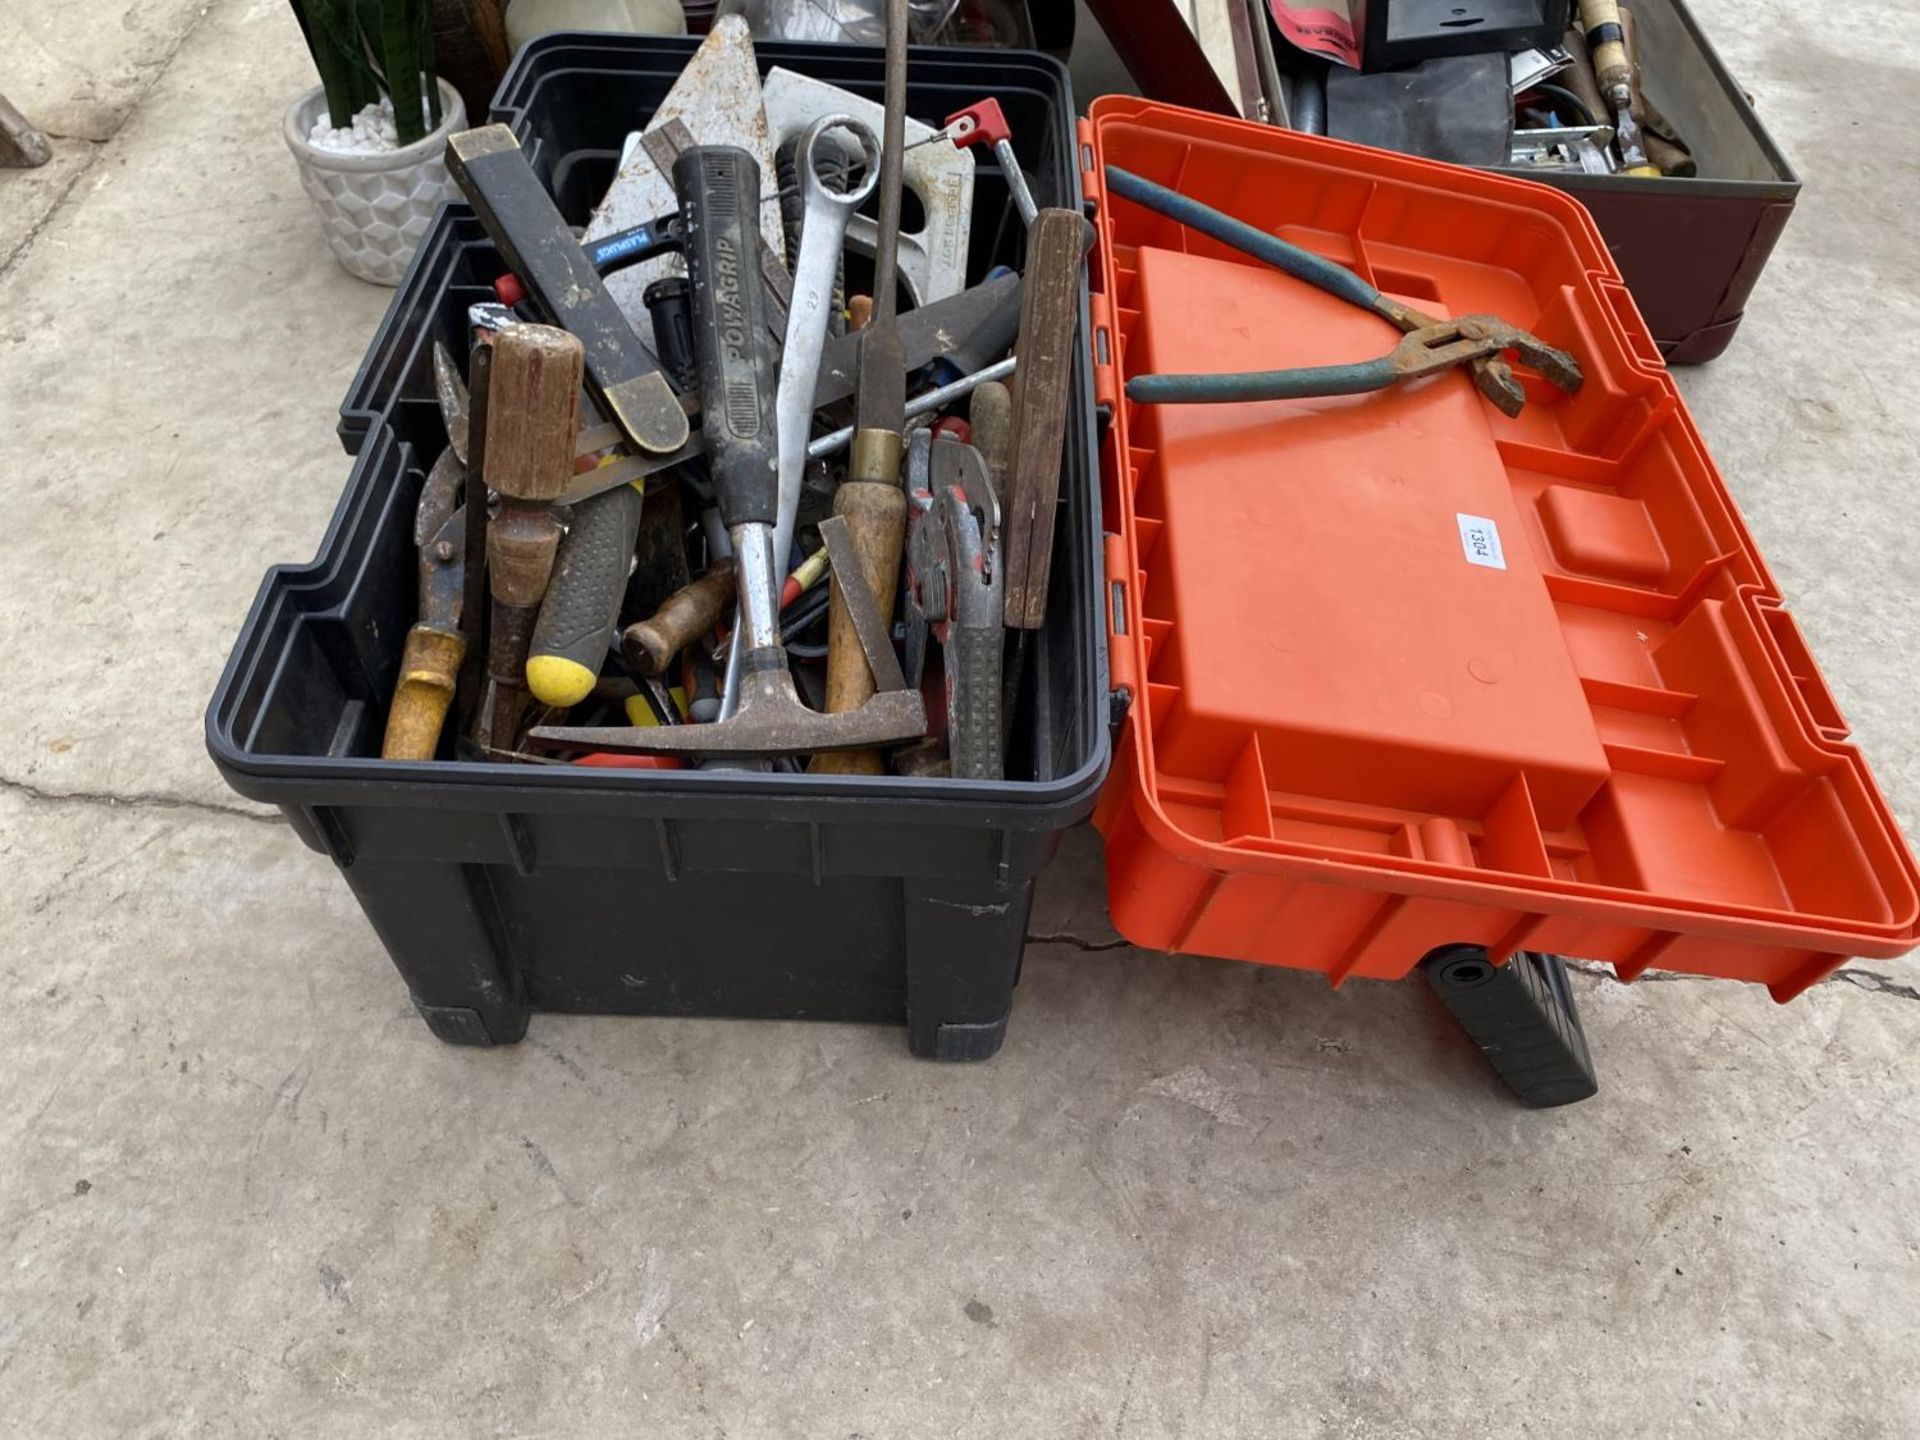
[(1613, 68)]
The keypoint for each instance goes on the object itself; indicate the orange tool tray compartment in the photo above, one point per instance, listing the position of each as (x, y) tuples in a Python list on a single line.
[(1407, 673)]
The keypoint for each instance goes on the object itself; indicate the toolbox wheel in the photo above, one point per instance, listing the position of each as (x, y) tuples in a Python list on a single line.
[(1523, 1018), (1465, 970)]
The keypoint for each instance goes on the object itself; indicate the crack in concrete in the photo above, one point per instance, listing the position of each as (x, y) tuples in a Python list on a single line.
[(97, 146), (1077, 942), (1603, 971), (1874, 984), (21, 250), (1868, 980), (109, 801)]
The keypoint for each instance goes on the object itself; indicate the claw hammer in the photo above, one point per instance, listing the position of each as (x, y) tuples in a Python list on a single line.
[(751, 458)]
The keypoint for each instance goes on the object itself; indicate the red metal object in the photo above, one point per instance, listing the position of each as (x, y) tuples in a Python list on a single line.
[(981, 124), (606, 760)]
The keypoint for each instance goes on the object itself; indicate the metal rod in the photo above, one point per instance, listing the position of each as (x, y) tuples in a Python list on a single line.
[(1269, 68), (893, 140), (835, 441)]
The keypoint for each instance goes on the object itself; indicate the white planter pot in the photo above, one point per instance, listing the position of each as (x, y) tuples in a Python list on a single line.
[(375, 208)]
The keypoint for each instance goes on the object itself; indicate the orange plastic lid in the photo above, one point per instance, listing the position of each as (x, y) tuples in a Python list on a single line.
[(1527, 676)]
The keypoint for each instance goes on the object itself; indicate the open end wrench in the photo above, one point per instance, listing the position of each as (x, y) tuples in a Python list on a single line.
[(822, 236)]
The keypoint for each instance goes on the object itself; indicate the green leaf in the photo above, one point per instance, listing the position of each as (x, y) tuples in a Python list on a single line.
[(333, 37), (429, 66), (337, 73), (400, 64), (364, 48)]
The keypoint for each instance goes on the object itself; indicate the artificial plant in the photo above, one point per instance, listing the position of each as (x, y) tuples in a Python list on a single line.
[(363, 48)]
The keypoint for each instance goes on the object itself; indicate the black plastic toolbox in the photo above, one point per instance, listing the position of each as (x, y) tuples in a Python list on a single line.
[(499, 890)]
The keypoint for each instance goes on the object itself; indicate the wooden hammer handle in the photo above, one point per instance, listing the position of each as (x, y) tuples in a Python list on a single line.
[(876, 515), (682, 618), (532, 411)]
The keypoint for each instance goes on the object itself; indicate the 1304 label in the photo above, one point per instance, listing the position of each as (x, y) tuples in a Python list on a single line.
[(1480, 538)]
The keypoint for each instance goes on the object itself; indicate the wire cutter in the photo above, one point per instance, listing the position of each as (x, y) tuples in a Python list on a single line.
[(1428, 346)]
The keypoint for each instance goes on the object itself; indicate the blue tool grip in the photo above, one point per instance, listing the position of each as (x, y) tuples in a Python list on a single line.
[(1302, 384), (630, 247), (1301, 264)]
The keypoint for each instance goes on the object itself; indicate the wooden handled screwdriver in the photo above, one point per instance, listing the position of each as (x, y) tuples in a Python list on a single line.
[(533, 404), (1613, 68), (872, 499)]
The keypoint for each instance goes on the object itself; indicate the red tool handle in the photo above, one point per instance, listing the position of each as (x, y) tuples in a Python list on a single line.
[(607, 760), (981, 124), (508, 290)]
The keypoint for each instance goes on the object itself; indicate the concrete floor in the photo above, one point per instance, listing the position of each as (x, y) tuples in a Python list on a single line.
[(242, 1192)]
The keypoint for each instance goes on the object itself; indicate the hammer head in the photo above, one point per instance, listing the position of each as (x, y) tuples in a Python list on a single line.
[(771, 720)]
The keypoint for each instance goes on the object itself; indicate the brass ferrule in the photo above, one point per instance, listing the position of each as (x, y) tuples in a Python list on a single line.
[(876, 455)]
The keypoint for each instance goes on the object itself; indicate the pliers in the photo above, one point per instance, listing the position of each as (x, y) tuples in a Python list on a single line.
[(1429, 345), (956, 592)]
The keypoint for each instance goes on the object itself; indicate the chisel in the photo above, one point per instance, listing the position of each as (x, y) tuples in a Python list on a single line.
[(1607, 41)]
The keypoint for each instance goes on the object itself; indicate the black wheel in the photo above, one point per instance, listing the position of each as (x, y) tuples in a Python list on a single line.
[(1523, 1018), (1466, 968)]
